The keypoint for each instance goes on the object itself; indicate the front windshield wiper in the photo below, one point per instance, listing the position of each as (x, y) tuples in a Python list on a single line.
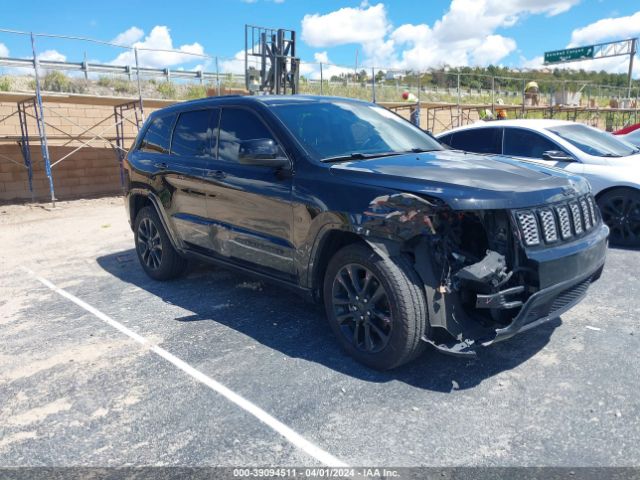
[(610, 155), (359, 156), (423, 150)]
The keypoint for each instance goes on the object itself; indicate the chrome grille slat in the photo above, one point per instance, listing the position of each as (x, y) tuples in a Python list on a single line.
[(576, 217), (529, 228), (548, 224), (565, 222), (586, 216)]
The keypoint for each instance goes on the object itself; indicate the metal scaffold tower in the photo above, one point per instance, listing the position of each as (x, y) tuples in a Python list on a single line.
[(275, 51)]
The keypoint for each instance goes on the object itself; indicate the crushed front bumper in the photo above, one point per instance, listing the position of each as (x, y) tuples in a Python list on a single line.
[(565, 272)]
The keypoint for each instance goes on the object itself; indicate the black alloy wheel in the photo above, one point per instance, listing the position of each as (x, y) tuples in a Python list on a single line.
[(361, 307), (149, 244), (620, 209)]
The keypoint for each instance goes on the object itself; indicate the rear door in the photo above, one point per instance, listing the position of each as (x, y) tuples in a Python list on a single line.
[(191, 155), (251, 206)]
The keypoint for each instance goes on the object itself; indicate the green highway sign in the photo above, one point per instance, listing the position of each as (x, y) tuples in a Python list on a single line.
[(568, 54)]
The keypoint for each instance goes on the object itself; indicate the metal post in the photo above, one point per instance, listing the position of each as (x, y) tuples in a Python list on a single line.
[(40, 121), (524, 85), (631, 55), (218, 78), (493, 93), (373, 84), (459, 112), (135, 50), (85, 67), (321, 80)]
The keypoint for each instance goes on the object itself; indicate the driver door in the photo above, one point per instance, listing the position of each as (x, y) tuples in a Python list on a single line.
[(531, 145)]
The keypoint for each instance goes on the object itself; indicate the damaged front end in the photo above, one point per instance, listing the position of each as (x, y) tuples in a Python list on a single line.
[(482, 282)]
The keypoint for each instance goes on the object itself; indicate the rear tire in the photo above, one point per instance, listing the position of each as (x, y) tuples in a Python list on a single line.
[(157, 256), (620, 209), (375, 306)]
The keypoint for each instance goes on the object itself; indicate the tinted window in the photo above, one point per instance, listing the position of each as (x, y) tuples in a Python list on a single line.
[(192, 135), (479, 140), (238, 125), (593, 141), (156, 138), (333, 129), (446, 139), (525, 143)]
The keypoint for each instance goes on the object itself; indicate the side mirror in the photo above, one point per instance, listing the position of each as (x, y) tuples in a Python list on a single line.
[(261, 152), (557, 156)]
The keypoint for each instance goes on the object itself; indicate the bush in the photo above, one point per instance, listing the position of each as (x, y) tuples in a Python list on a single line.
[(167, 90), (55, 81), (5, 84), (195, 91)]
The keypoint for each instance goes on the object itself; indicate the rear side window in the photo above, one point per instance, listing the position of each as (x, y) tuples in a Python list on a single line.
[(238, 125), (525, 143), (158, 135), (192, 135), (478, 140)]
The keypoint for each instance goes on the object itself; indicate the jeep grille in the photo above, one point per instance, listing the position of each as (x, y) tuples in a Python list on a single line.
[(559, 222)]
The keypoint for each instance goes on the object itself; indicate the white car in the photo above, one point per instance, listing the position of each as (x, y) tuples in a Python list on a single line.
[(611, 165)]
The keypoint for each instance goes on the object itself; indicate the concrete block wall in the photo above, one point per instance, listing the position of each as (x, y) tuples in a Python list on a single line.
[(91, 171)]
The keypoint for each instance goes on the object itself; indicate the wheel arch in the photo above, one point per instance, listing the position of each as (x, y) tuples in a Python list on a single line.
[(604, 191), (138, 198)]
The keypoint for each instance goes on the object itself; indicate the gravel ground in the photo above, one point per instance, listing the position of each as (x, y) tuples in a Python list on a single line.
[(76, 391)]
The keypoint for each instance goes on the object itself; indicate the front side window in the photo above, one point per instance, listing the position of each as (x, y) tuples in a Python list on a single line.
[(158, 136), (525, 143), (329, 130), (594, 142), (236, 126), (477, 140)]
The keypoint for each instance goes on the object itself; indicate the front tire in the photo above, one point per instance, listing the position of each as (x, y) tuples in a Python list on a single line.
[(620, 209), (157, 256), (375, 306)]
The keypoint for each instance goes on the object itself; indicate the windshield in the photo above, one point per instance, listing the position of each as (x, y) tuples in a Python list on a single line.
[(332, 131), (594, 142), (633, 138)]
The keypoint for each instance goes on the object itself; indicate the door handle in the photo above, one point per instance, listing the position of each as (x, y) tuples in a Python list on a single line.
[(161, 166), (219, 174)]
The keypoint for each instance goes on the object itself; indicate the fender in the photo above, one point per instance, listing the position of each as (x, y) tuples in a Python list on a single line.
[(164, 218)]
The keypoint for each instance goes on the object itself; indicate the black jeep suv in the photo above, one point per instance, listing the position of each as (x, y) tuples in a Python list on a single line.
[(405, 243)]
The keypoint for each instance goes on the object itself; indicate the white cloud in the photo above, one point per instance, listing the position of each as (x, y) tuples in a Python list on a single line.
[(129, 36), (466, 33), (492, 50), (52, 55), (4, 51), (347, 25), (607, 29), (160, 38), (321, 57)]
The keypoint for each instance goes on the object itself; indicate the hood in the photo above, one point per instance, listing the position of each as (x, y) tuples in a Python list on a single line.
[(466, 180)]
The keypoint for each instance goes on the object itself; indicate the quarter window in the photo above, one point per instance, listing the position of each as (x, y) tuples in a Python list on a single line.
[(525, 143), (236, 126), (157, 137), (478, 140), (192, 135)]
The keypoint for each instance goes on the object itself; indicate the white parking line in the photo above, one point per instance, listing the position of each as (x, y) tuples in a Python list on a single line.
[(293, 437)]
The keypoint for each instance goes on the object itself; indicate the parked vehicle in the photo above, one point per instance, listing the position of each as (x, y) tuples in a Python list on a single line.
[(632, 137), (627, 129), (611, 165), (405, 243)]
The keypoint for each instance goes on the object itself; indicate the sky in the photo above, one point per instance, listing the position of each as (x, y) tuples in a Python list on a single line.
[(389, 34)]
